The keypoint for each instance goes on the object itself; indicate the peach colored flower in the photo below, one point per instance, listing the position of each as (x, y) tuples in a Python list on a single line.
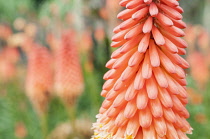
[(39, 77), (68, 73), (145, 89)]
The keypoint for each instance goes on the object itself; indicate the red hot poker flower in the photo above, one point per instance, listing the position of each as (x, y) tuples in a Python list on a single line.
[(39, 77), (145, 89), (68, 73)]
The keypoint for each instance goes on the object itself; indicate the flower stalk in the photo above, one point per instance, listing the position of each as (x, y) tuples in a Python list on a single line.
[(145, 89)]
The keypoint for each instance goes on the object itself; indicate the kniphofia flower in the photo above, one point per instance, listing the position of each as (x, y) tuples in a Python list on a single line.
[(39, 77), (68, 73), (145, 89)]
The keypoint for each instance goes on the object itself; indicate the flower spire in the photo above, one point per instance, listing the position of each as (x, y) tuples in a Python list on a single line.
[(145, 89), (39, 77), (68, 73)]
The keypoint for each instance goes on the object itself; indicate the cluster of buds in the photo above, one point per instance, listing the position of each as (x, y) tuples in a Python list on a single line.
[(145, 89), (39, 77), (68, 74)]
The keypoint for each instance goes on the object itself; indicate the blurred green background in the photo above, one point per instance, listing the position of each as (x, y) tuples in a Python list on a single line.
[(92, 22)]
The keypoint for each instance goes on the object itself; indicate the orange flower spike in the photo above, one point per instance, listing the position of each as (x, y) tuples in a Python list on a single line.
[(39, 79), (145, 92), (68, 73)]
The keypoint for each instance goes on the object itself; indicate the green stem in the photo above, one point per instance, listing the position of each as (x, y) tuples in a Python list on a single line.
[(72, 115), (44, 127)]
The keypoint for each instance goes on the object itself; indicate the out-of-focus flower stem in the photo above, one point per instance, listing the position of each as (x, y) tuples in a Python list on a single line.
[(72, 115), (44, 126)]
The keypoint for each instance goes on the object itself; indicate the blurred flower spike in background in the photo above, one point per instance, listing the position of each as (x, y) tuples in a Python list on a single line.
[(68, 83), (55, 56), (39, 77)]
